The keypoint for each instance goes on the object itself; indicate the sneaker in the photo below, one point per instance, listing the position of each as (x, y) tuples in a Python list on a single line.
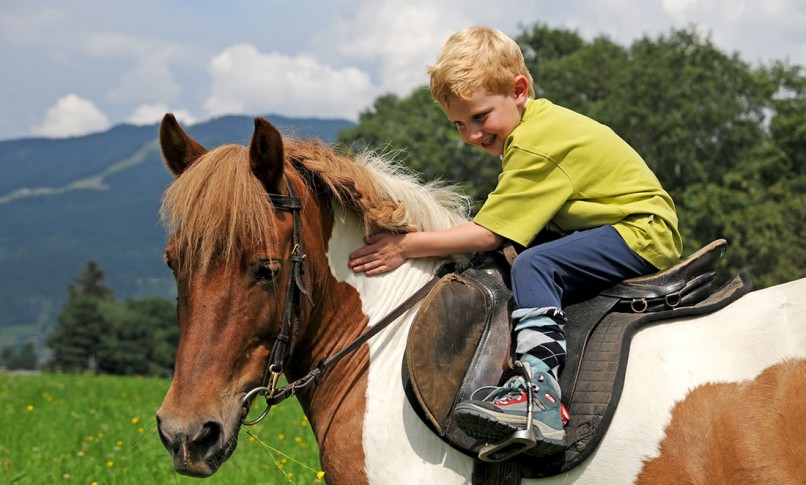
[(503, 412)]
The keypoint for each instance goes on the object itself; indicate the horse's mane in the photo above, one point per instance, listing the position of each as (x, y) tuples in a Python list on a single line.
[(385, 194), (217, 207)]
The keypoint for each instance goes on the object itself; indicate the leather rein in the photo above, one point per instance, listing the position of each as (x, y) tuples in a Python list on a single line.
[(284, 344)]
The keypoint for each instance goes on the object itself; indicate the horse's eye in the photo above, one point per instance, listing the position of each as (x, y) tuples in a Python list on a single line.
[(169, 262), (266, 270)]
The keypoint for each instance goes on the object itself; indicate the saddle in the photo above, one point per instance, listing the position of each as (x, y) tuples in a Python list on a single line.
[(461, 340)]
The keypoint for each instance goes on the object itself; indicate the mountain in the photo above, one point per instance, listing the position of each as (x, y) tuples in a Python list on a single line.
[(66, 201)]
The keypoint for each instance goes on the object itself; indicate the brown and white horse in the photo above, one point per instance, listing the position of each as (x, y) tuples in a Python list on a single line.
[(689, 408)]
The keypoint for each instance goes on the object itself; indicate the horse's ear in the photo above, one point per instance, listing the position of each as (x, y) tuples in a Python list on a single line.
[(266, 155), (178, 149)]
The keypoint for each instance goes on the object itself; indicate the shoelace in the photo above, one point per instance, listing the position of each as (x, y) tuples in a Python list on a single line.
[(513, 387)]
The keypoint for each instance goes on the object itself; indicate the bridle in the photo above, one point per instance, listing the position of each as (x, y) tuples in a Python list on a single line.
[(283, 343), (283, 346)]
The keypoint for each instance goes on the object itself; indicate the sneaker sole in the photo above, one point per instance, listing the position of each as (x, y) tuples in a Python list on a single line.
[(478, 423)]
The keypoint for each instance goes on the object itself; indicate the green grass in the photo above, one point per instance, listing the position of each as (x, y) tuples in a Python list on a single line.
[(101, 430)]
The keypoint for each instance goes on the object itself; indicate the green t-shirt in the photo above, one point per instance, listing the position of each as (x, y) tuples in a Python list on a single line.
[(565, 172)]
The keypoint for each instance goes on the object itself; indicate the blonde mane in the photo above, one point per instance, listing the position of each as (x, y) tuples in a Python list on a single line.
[(217, 207)]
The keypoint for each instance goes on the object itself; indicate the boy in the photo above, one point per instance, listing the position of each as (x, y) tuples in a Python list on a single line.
[(561, 172)]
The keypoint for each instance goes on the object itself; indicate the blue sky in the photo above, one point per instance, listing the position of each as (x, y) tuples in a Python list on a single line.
[(81, 66)]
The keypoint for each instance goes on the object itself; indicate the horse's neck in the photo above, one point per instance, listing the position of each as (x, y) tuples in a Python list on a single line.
[(380, 294), (348, 303), (349, 306)]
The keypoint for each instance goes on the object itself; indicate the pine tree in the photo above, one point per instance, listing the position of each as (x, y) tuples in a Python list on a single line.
[(76, 337)]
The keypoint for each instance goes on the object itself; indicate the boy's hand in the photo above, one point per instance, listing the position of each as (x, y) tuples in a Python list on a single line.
[(383, 252)]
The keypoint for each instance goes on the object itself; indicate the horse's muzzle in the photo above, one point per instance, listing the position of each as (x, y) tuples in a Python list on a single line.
[(198, 448)]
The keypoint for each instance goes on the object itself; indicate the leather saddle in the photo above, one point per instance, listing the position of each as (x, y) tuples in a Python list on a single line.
[(461, 340)]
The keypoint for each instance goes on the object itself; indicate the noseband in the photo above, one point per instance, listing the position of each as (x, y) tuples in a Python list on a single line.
[(284, 344)]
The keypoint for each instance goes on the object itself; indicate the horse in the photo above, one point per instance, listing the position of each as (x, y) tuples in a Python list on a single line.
[(258, 242)]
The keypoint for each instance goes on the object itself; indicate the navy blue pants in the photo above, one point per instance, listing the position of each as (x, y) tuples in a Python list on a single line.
[(574, 267), (551, 275)]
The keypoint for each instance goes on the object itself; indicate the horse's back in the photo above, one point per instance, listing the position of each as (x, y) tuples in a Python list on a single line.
[(773, 406), (668, 361)]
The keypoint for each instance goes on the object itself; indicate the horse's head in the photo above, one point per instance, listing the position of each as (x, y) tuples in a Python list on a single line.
[(243, 221), (234, 248)]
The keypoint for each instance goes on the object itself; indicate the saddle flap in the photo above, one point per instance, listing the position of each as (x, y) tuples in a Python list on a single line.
[(448, 353)]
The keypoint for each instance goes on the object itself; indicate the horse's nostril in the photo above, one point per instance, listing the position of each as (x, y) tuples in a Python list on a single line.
[(169, 445), (209, 435), (187, 444)]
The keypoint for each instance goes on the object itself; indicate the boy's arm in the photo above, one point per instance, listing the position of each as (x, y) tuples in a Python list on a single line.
[(386, 251)]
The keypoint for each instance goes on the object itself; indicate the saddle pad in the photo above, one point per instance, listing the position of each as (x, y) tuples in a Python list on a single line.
[(600, 379)]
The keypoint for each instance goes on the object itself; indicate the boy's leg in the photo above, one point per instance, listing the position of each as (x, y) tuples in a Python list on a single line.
[(573, 267), (546, 277), (543, 278)]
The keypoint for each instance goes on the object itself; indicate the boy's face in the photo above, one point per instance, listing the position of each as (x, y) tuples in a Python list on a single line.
[(486, 120)]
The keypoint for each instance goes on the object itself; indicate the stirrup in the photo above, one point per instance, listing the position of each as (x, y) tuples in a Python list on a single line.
[(521, 440)]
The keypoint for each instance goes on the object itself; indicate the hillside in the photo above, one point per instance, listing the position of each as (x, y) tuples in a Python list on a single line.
[(65, 201)]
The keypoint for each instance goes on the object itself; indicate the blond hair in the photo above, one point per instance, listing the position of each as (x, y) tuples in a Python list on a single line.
[(476, 58)]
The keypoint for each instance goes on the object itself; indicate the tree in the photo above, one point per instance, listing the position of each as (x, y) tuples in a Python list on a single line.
[(89, 282), (77, 334), (141, 338), (96, 333), (25, 359), (7, 356)]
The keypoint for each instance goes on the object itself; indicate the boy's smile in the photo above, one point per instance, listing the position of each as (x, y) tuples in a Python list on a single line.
[(486, 120)]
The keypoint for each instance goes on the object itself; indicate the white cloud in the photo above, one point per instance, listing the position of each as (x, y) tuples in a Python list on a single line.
[(678, 9), (245, 80), (72, 116), (39, 28), (147, 114), (402, 37), (149, 80), (150, 66), (761, 31)]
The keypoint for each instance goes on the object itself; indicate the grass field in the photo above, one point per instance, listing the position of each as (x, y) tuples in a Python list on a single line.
[(101, 430)]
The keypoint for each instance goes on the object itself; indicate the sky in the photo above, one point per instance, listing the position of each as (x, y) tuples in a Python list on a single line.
[(81, 66)]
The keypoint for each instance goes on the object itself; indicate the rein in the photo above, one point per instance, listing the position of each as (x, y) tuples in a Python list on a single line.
[(281, 351)]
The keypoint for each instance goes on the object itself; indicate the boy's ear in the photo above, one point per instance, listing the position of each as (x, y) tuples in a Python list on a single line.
[(520, 89)]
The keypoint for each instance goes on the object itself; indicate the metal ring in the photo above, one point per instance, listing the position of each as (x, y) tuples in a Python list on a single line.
[(637, 309), (245, 404), (676, 303)]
